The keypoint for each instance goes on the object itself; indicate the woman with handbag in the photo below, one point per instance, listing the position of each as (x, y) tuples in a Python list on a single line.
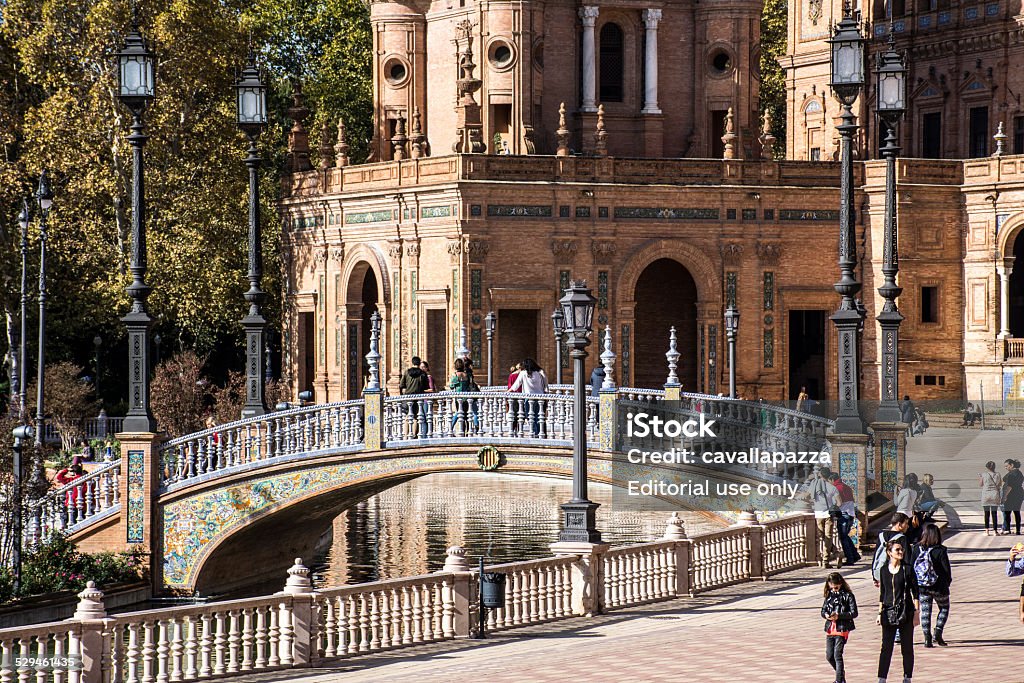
[(898, 603)]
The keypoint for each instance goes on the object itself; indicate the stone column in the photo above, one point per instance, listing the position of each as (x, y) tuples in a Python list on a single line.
[(588, 15), (651, 18), (1005, 269), (303, 614), (587, 578), (139, 485)]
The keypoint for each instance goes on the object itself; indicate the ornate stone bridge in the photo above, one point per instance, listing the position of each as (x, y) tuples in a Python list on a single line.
[(201, 502)]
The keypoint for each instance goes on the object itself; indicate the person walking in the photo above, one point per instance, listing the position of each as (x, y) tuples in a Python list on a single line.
[(845, 518), (67, 475), (934, 575), (462, 382), (802, 399), (825, 498), (897, 531), (908, 414), (839, 610), (991, 496), (1013, 494), (532, 380), (898, 602)]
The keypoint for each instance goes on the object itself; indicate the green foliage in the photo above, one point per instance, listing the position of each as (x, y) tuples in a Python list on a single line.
[(773, 78), (57, 565), (67, 399)]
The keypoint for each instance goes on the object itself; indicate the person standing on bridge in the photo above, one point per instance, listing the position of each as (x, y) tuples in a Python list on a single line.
[(898, 604), (839, 610), (414, 381), (532, 380), (825, 498)]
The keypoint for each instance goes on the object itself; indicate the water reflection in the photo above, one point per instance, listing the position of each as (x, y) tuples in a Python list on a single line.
[(405, 531)]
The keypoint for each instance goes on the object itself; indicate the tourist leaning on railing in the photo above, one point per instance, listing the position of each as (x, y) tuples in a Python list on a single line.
[(462, 382), (532, 380)]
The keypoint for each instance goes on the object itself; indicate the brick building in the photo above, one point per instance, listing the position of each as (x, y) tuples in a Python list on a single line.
[(434, 240)]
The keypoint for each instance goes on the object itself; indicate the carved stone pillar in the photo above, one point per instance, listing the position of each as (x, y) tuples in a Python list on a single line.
[(588, 15), (651, 18), (1005, 269)]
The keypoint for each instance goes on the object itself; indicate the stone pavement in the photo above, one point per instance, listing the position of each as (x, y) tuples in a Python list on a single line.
[(769, 632)]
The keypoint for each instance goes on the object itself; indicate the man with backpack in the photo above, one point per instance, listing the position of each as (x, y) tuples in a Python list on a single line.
[(414, 381), (934, 574)]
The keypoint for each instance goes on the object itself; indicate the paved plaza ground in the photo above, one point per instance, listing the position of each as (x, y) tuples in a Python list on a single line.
[(769, 631)]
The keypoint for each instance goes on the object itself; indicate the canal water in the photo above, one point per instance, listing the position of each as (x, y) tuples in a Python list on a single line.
[(406, 530)]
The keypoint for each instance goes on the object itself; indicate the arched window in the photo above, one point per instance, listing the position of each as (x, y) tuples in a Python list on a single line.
[(612, 63)]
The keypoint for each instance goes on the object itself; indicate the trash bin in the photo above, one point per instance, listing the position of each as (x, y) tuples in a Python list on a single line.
[(492, 590)]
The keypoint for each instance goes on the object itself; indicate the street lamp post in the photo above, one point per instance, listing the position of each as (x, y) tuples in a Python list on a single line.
[(21, 433), (136, 91), (891, 104), (579, 514), (251, 98), (732, 326), (97, 342), (847, 63), (44, 196), (490, 323), (23, 220), (558, 325)]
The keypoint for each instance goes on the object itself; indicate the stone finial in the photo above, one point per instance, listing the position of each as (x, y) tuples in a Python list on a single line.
[(341, 147), (462, 351), (767, 139), (326, 148), (373, 357), (1000, 138), (562, 133), (672, 356), (298, 138), (90, 604), (608, 360), (416, 137), (675, 528), (600, 134), (747, 518), (399, 140), (455, 560), (729, 139), (298, 581)]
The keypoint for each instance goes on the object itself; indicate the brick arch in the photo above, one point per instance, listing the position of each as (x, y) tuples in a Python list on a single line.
[(357, 261), (1008, 234), (700, 265)]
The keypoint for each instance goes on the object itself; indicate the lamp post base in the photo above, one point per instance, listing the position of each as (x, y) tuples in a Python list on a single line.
[(579, 522)]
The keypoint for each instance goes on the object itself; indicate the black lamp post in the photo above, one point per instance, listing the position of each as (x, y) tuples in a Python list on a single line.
[(44, 197), (97, 342), (732, 326), (558, 325), (490, 323), (891, 104), (23, 220), (21, 433), (252, 117), (847, 45), (136, 91), (579, 514)]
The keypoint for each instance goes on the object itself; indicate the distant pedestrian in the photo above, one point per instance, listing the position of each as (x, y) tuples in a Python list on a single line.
[(596, 380), (839, 610), (927, 502), (1013, 494), (934, 574), (1015, 567), (413, 382), (513, 374), (68, 475), (802, 399), (898, 602), (845, 518), (425, 367), (462, 382), (991, 495), (908, 414), (905, 501), (532, 380)]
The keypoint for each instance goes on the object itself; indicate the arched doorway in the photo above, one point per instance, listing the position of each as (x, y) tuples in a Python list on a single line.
[(1017, 288), (666, 296), (363, 296)]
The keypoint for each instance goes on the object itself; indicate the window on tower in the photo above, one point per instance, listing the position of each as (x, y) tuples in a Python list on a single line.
[(612, 63)]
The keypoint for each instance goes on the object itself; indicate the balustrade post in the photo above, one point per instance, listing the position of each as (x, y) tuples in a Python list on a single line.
[(586, 575), (608, 415), (459, 595), (373, 411), (304, 620), (755, 533), (139, 490), (811, 545), (91, 614), (675, 530)]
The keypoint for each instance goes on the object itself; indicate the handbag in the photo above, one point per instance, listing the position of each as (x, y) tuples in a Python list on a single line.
[(894, 615)]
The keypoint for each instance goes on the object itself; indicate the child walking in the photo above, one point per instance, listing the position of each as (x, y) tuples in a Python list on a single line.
[(839, 610)]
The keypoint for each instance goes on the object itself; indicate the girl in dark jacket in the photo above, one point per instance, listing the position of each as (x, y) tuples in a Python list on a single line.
[(931, 543), (839, 610), (898, 602)]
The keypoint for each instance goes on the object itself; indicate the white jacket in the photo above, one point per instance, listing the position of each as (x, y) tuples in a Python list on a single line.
[(530, 384)]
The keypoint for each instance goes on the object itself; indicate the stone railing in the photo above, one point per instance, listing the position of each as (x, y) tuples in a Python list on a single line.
[(75, 505), (1014, 349), (300, 626), (328, 426), (487, 415)]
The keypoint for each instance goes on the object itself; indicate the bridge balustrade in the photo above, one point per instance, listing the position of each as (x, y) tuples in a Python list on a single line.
[(76, 504), (300, 626)]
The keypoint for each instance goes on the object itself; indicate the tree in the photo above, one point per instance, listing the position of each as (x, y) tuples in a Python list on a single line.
[(773, 77), (68, 398), (181, 396)]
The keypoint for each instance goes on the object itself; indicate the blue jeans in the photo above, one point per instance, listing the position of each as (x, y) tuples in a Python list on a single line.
[(465, 407), (844, 523)]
